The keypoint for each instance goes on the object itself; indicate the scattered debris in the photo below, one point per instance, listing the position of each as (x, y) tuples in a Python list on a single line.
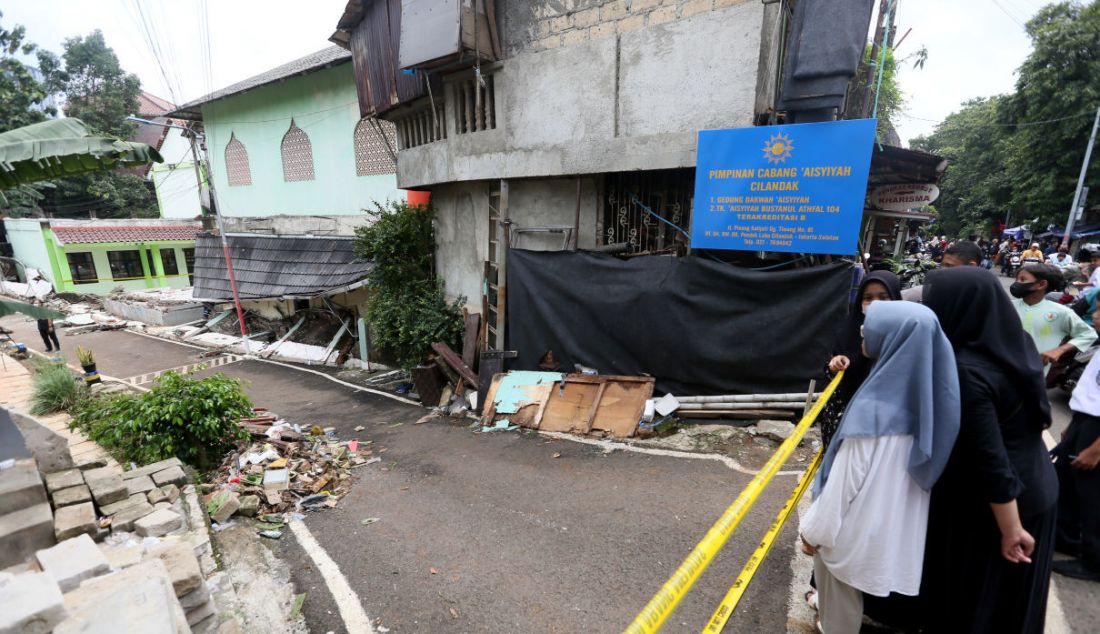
[(369, 521), (359, 428), (296, 609)]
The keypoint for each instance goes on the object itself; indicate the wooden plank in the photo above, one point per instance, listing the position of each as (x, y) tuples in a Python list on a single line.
[(620, 408), (488, 410), (470, 339), (455, 362), (568, 407), (271, 349)]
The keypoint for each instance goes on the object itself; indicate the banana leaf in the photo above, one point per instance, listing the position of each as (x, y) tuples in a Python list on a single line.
[(8, 307), (64, 147)]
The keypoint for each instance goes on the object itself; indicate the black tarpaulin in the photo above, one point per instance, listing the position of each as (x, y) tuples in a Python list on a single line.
[(698, 326)]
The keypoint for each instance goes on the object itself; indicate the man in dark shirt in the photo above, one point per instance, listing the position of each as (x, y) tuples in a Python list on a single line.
[(45, 329)]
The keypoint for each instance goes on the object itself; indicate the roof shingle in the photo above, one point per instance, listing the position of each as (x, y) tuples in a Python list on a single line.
[(136, 233)]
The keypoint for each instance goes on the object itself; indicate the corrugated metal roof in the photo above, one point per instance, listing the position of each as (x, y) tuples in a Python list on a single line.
[(276, 266), (137, 233), (330, 56)]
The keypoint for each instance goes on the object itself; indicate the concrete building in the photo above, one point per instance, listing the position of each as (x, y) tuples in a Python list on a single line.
[(99, 255), (568, 118)]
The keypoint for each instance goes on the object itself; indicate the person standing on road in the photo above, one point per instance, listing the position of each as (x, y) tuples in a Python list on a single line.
[(1049, 323), (847, 352), (993, 511), (1078, 467), (46, 330), (866, 527)]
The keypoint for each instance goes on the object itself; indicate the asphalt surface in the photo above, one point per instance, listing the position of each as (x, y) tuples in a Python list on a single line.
[(520, 540)]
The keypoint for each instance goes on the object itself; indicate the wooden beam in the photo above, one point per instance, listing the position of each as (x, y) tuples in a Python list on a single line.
[(456, 362)]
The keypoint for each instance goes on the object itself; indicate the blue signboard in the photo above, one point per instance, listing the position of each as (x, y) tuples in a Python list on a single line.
[(796, 188)]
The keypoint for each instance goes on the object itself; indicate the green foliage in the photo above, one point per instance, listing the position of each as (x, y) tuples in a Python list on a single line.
[(20, 92), (97, 90), (86, 356), (195, 420), (999, 168), (890, 100), (408, 309), (55, 389)]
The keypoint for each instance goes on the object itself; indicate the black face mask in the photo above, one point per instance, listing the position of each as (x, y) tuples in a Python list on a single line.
[(1021, 289)]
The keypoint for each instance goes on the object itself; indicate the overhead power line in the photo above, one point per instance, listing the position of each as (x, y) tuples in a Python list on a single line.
[(1023, 124)]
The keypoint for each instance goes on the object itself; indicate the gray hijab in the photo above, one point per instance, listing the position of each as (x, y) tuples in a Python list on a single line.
[(912, 390)]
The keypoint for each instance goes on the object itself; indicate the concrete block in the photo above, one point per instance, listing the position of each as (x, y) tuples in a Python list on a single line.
[(50, 450), (119, 557), (144, 485), (99, 473), (182, 565), (201, 613), (124, 519), (138, 599), (150, 469), (24, 532), (162, 505), (70, 521), (232, 626), (106, 487), (21, 487), (156, 494), (158, 523), (171, 475), (64, 479), (249, 505), (223, 505), (133, 500), (195, 598), (172, 491), (73, 561), (72, 495), (32, 604), (92, 463)]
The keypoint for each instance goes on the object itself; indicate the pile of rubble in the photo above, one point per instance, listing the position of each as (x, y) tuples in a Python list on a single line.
[(285, 468)]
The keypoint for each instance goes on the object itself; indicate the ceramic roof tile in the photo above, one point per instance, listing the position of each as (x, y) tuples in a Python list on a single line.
[(134, 233)]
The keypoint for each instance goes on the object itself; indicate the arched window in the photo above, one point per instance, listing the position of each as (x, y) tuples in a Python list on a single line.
[(236, 162), (372, 150), (297, 155)]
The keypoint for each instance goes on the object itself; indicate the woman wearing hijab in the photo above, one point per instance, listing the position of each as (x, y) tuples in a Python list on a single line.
[(866, 527), (847, 356), (992, 520)]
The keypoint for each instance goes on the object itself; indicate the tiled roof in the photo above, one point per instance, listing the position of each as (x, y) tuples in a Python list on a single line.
[(150, 105), (314, 61), (136, 233), (276, 266)]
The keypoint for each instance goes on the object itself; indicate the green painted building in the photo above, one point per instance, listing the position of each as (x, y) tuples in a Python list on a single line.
[(98, 256)]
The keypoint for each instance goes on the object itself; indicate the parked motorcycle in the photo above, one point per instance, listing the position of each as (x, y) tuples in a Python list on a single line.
[(914, 269)]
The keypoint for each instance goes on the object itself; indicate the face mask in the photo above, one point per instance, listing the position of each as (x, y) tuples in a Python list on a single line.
[(1020, 289)]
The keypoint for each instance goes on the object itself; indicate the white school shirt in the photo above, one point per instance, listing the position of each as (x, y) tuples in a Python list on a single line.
[(1086, 396), (870, 521)]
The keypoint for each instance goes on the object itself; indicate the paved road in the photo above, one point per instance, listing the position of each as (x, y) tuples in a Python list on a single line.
[(522, 541)]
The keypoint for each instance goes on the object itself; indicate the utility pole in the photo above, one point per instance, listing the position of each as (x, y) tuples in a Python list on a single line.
[(1080, 182), (872, 61)]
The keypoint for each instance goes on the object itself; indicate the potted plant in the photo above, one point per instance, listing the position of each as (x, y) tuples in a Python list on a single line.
[(87, 361)]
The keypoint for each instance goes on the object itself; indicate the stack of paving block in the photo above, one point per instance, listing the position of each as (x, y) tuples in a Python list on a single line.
[(27, 522), (142, 500)]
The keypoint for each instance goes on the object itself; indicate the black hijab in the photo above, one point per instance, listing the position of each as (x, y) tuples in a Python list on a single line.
[(982, 324), (850, 341)]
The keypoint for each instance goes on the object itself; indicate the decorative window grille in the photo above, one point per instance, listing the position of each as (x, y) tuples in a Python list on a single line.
[(297, 155), (236, 163), (475, 108), (423, 126), (372, 150), (631, 201)]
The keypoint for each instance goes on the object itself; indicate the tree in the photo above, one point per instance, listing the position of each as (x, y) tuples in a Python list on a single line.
[(101, 94), (21, 95)]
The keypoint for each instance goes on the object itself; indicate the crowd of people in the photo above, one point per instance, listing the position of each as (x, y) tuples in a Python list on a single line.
[(938, 507)]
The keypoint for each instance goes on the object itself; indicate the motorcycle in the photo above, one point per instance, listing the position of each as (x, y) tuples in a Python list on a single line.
[(1011, 263), (914, 269), (1066, 374)]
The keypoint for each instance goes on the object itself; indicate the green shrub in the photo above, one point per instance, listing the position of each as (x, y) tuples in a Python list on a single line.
[(55, 389), (196, 420), (407, 310)]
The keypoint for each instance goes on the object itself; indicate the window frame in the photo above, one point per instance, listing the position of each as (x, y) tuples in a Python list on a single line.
[(90, 264), (164, 261), (115, 259)]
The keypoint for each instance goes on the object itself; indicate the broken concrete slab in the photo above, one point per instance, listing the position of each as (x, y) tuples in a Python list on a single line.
[(32, 604), (21, 486), (106, 485), (172, 475), (122, 556), (24, 532), (182, 565), (115, 507), (195, 598), (172, 491), (72, 495), (777, 430), (249, 505), (92, 463), (50, 450), (158, 523), (156, 494), (150, 469), (73, 561), (124, 519), (138, 599), (143, 484), (70, 521), (64, 479), (201, 613)]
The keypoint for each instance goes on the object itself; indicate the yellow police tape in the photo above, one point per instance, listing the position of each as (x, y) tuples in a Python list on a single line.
[(725, 609), (661, 606)]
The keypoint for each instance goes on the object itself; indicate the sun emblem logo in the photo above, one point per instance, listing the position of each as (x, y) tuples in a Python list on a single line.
[(778, 148)]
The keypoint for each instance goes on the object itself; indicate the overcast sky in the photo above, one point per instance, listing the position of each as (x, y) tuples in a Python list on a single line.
[(974, 46)]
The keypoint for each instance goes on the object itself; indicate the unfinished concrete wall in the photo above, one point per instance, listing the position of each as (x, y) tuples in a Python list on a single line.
[(590, 87), (297, 225), (462, 225)]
